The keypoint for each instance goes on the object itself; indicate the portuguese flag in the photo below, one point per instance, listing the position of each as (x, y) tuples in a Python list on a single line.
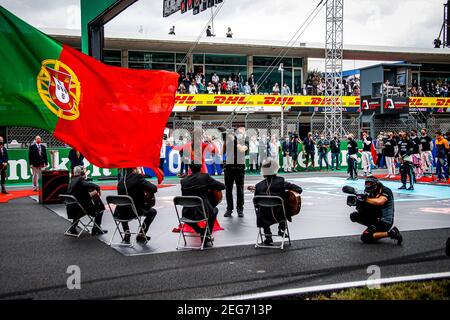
[(114, 116)]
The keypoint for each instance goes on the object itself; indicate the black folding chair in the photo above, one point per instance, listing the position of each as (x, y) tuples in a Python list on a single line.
[(190, 202), (271, 202), (72, 202), (125, 212)]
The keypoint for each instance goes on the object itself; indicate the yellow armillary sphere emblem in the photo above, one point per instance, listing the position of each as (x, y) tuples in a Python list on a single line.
[(59, 89)]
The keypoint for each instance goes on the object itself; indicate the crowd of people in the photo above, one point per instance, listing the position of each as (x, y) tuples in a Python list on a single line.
[(434, 88)]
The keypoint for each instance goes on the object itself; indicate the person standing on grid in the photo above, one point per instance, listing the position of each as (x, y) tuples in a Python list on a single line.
[(367, 154), (37, 158)]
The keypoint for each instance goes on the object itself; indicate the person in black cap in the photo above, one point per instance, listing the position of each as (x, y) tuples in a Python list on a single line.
[(376, 212)]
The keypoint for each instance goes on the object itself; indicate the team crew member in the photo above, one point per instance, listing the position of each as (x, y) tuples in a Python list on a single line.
[(426, 155), (294, 151), (309, 149), (322, 148), (88, 195), (405, 150), (140, 190), (367, 154), (335, 146), (37, 157), (376, 212), (272, 185), (3, 165), (389, 154), (442, 149), (416, 155), (198, 184), (235, 148), (352, 158)]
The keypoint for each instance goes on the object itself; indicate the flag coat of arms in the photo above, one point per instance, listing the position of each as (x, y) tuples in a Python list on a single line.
[(114, 116)]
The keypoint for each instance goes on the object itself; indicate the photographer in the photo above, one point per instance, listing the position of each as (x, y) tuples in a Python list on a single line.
[(375, 209)]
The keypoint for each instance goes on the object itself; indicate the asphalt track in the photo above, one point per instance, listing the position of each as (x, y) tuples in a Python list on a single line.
[(35, 256)]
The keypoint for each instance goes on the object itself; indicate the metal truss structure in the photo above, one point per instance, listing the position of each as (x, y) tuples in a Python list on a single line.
[(334, 52)]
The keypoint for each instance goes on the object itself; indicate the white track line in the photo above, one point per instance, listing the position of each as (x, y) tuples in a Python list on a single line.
[(338, 286)]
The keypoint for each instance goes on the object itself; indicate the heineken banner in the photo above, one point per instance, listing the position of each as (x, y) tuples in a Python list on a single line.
[(19, 172)]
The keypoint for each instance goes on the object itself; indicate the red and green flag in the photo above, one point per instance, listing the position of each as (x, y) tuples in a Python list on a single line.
[(114, 116)]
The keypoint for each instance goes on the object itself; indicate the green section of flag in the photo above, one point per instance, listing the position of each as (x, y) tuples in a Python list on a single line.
[(22, 50)]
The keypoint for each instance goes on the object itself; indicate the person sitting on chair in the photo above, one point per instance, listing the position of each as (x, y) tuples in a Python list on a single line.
[(88, 195), (133, 184), (272, 185), (198, 184)]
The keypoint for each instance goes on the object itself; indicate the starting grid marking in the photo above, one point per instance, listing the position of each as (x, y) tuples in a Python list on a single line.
[(421, 192)]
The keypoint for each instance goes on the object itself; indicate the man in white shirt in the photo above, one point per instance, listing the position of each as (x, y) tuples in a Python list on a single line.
[(253, 152)]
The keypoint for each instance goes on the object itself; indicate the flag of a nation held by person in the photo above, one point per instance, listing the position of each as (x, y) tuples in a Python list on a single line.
[(114, 116)]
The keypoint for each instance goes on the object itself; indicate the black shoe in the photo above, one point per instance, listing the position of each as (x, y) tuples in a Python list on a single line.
[(268, 241), (126, 238), (402, 188), (142, 238), (281, 233), (240, 214), (96, 231), (4, 190), (394, 233), (410, 188), (228, 214)]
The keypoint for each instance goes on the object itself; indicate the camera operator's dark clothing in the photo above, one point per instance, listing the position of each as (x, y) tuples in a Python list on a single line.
[(135, 186), (272, 186), (381, 216), (198, 184), (80, 188)]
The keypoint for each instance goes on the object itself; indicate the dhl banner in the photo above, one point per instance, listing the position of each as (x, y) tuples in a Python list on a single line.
[(273, 103)]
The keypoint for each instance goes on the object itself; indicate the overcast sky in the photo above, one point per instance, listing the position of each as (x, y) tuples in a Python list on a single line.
[(411, 23)]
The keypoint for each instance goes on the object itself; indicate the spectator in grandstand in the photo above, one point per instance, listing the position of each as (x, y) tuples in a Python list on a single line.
[(356, 90), (445, 91), (251, 80), (172, 30), (199, 77), (223, 86), (215, 79), (389, 152), (442, 150), (193, 88), (285, 90), (211, 88), (247, 89), (322, 148), (309, 149), (181, 88), (202, 87), (335, 146), (240, 81), (209, 32), (186, 82), (229, 33), (276, 89), (426, 155), (255, 89), (230, 85), (191, 75), (413, 92)]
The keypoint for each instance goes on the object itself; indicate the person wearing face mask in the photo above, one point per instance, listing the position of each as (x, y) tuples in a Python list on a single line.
[(3, 165), (309, 149), (352, 158), (367, 154), (405, 151), (376, 212), (37, 158), (416, 155), (235, 148), (426, 155), (389, 153), (88, 195), (322, 148), (287, 159), (335, 146)]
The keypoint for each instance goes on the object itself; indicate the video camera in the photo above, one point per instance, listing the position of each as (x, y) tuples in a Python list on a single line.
[(293, 135), (352, 200)]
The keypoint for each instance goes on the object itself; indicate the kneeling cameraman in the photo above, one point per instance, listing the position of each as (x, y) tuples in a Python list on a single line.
[(375, 209)]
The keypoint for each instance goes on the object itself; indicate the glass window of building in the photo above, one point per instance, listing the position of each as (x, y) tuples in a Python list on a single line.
[(169, 61), (112, 57), (224, 65)]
